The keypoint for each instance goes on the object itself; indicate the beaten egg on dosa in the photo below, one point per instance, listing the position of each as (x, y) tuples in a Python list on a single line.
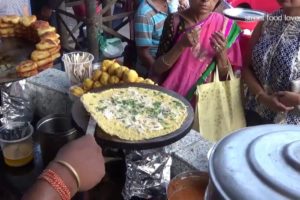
[(135, 113)]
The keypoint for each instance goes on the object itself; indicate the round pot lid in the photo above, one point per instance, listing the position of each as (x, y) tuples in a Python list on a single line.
[(261, 162)]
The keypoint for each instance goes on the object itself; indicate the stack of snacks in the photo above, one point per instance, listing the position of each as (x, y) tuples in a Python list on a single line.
[(40, 32)]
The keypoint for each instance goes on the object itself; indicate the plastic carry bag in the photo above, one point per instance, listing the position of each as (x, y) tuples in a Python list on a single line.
[(110, 47)]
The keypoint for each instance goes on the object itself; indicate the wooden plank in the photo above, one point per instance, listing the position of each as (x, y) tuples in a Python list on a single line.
[(118, 16), (63, 12), (74, 3), (69, 31), (115, 33), (107, 6)]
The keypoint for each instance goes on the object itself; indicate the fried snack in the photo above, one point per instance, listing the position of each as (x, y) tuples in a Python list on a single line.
[(6, 25), (50, 35), (39, 24), (42, 31), (7, 35), (88, 84), (27, 65), (148, 81), (113, 80), (140, 80), (40, 55), (44, 62), (55, 56), (130, 76), (104, 78), (13, 19), (97, 84), (96, 75), (111, 69), (106, 64), (28, 20), (77, 91), (46, 66), (119, 71), (7, 31), (54, 50), (46, 44), (28, 73)]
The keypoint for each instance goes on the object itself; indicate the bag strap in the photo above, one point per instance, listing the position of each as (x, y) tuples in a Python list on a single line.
[(232, 36)]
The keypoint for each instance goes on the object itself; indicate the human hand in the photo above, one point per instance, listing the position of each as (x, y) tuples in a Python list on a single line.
[(272, 102), (288, 98), (183, 5), (189, 39), (218, 42), (85, 156)]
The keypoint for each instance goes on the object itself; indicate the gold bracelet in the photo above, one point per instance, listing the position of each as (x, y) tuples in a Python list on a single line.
[(164, 61), (71, 169)]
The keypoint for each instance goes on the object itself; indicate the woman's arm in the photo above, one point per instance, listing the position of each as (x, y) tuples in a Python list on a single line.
[(89, 169), (41, 188), (166, 61), (168, 55)]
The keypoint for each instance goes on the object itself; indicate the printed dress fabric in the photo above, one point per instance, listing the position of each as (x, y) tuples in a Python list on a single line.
[(276, 63)]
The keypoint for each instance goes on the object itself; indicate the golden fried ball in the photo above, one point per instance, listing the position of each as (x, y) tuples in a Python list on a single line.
[(148, 81), (130, 76), (120, 70), (106, 64), (114, 80), (111, 70), (96, 74), (88, 84), (140, 80), (97, 84), (77, 91), (104, 78)]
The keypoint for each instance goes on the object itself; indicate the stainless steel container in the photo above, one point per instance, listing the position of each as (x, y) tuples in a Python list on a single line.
[(55, 131), (260, 162)]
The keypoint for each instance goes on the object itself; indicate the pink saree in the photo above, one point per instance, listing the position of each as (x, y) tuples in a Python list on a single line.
[(195, 60)]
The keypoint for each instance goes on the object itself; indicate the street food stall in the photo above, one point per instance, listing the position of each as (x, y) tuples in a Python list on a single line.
[(146, 127)]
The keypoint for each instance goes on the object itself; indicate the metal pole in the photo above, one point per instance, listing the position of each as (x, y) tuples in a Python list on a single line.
[(64, 35), (93, 47)]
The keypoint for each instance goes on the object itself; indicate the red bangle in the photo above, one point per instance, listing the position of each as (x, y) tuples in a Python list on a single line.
[(57, 183)]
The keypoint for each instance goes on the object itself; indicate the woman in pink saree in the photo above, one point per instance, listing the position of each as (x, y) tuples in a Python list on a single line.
[(193, 43)]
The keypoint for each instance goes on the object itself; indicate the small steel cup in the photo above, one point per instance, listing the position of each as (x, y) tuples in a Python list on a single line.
[(55, 131)]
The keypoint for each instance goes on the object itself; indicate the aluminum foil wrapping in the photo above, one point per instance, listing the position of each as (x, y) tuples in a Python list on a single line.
[(16, 105), (148, 174)]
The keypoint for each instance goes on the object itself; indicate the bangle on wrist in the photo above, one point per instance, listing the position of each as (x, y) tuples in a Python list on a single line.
[(164, 61), (71, 170), (258, 95), (56, 183)]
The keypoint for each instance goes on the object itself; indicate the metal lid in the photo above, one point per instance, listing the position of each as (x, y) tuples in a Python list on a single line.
[(260, 162)]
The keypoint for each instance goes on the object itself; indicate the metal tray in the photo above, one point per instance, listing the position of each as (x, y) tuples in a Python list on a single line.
[(81, 118), (244, 14), (12, 52)]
